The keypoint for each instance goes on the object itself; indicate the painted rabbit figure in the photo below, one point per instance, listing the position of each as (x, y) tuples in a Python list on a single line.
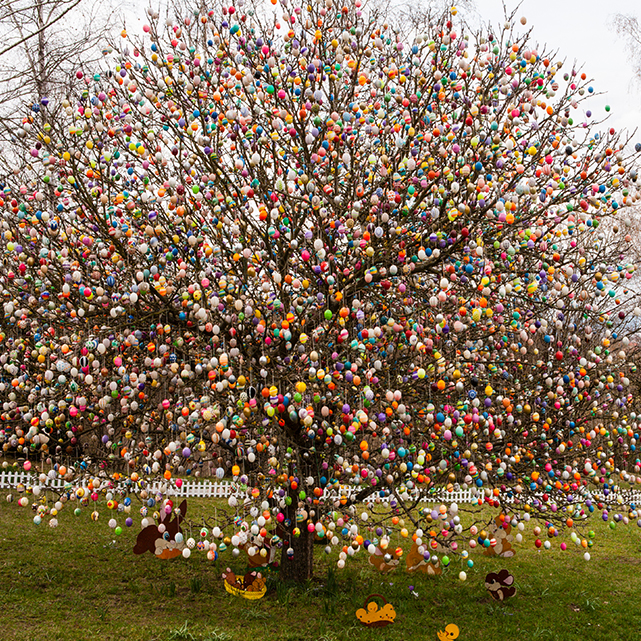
[(161, 538)]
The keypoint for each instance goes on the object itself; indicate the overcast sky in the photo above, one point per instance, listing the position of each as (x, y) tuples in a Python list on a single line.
[(581, 30)]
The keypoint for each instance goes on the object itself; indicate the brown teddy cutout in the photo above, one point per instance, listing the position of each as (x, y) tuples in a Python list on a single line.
[(500, 531), (384, 561), (416, 563), (162, 544)]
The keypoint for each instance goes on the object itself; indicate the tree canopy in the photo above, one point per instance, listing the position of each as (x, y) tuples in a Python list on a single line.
[(328, 249)]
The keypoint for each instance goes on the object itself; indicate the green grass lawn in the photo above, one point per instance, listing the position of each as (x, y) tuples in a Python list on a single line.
[(75, 582)]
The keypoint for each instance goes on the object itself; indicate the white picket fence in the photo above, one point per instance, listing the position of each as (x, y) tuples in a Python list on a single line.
[(201, 489), (209, 489), (224, 489)]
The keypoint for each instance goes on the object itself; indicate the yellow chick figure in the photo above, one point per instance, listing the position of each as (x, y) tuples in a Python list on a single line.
[(450, 633)]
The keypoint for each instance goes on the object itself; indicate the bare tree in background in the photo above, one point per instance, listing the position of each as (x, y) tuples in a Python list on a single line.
[(44, 44), (628, 27)]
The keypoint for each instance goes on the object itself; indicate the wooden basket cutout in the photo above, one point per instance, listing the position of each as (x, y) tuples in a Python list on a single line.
[(252, 596), (372, 616)]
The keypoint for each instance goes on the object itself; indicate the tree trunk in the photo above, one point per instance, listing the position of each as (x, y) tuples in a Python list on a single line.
[(41, 73), (299, 567)]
